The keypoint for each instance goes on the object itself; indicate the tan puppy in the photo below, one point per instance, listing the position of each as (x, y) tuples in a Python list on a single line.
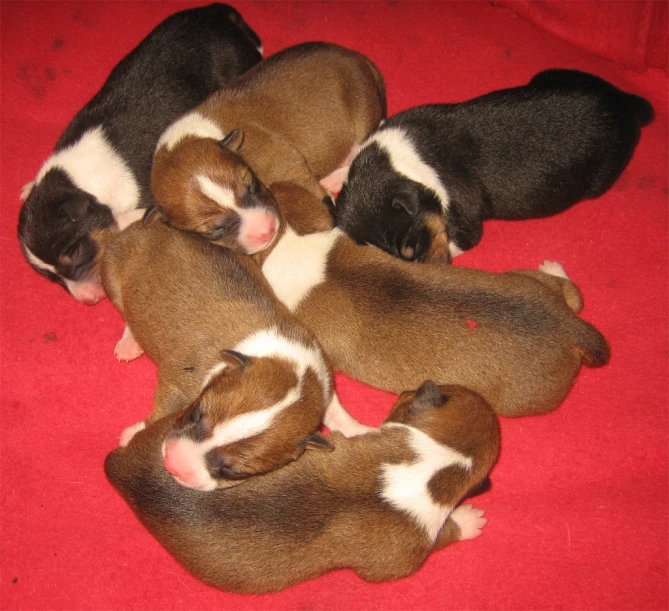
[(512, 337), (252, 377), (379, 503), (298, 116)]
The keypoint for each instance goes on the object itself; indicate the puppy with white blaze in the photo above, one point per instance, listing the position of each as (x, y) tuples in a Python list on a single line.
[(99, 173), (422, 185), (378, 503)]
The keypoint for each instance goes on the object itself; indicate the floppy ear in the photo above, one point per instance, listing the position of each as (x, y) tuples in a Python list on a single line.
[(428, 396), (75, 209), (234, 360), (234, 139), (408, 204), (152, 214), (316, 441)]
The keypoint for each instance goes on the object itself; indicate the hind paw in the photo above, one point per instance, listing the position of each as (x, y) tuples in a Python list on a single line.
[(470, 520), (127, 348), (553, 268)]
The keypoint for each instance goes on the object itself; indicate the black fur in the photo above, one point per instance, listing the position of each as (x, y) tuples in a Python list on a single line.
[(520, 153), (177, 66)]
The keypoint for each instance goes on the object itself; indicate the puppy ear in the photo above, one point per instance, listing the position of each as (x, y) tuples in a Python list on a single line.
[(316, 441), (234, 139), (409, 205), (428, 396), (152, 214), (75, 209), (234, 360)]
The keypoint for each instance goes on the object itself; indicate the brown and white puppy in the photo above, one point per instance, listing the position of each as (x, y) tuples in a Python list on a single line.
[(512, 337), (298, 116), (379, 503), (252, 379)]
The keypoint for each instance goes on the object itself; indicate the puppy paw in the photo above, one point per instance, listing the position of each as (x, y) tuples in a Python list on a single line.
[(334, 181), (26, 190), (553, 268), (355, 428), (129, 432), (470, 520), (127, 348)]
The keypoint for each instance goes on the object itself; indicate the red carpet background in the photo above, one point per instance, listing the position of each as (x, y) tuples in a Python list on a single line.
[(578, 508)]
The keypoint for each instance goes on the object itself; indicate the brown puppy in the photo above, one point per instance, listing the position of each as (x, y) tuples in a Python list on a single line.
[(512, 337), (298, 116), (252, 377), (379, 503)]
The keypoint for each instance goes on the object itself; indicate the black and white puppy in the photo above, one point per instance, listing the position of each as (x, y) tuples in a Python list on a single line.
[(100, 169), (422, 185)]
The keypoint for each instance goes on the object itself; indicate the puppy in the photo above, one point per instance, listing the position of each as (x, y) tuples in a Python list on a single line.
[(421, 187), (252, 379), (379, 503), (101, 166), (297, 116), (511, 337)]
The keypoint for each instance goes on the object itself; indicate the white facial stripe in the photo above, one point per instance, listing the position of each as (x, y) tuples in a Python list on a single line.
[(38, 263), (298, 264), (249, 424), (405, 160), (405, 485), (269, 343), (213, 372), (192, 124), (94, 166), (223, 196)]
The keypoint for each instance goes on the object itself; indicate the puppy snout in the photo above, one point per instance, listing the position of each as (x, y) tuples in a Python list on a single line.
[(184, 463), (86, 292), (260, 227)]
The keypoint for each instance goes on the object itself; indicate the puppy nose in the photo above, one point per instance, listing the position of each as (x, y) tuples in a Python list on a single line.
[(260, 230)]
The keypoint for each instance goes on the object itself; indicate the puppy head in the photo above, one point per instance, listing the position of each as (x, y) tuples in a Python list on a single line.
[(452, 415), (383, 207), (56, 231), (253, 416), (203, 185)]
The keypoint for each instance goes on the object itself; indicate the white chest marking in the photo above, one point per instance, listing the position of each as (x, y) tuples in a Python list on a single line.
[(94, 166), (405, 160), (405, 485), (298, 264), (192, 124)]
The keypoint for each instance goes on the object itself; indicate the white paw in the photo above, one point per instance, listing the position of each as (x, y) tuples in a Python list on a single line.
[(355, 429), (127, 348), (334, 181), (129, 432), (553, 268), (470, 520), (26, 190)]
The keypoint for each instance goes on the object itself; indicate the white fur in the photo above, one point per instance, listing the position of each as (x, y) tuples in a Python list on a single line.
[(223, 196), (297, 264), (192, 124), (454, 250), (405, 485), (269, 343), (213, 372), (38, 263), (94, 166), (553, 268), (405, 160)]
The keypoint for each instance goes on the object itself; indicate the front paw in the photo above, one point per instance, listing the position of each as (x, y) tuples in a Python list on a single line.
[(470, 520)]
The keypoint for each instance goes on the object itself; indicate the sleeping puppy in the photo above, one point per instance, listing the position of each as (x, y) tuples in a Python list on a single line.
[(422, 185), (378, 503), (101, 166)]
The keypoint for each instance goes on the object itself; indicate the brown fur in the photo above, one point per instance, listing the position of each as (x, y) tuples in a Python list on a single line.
[(301, 111), (186, 301), (512, 337), (247, 539)]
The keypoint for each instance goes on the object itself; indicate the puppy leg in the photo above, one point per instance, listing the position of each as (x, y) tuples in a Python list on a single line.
[(334, 180), (336, 418), (127, 348), (552, 275), (466, 522)]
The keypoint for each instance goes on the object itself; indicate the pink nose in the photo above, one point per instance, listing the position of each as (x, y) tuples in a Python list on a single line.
[(181, 461), (260, 229), (87, 292)]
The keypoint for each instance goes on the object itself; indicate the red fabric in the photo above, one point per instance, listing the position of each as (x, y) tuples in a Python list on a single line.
[(578, 508), (632, 32)]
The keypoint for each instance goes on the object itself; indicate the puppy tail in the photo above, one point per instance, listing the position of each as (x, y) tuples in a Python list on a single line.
[(591, 345)]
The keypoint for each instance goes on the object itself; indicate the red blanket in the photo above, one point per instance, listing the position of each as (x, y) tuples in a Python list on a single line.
[(578, 508)]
